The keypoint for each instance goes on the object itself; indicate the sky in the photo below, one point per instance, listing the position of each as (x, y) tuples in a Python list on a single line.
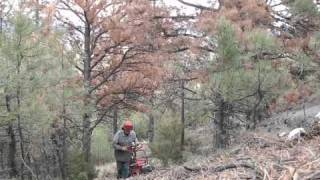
[(207, 3), (183, 8), (187, 9)]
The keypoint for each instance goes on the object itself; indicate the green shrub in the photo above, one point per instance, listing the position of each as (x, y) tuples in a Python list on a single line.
[(102, 150), (78, 168), (192, 144), (166, 145), (305, 7), (140, 125)]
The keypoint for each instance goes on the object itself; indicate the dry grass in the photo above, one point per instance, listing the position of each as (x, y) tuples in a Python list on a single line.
[(106, 171)]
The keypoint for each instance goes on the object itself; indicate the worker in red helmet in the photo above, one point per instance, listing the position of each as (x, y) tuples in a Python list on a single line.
[(122, 141)]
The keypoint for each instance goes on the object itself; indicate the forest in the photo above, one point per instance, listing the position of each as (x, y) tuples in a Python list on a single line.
[(193, 83)]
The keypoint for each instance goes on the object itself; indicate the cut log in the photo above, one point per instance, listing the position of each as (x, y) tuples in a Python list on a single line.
[(192, 169), (232, 166)]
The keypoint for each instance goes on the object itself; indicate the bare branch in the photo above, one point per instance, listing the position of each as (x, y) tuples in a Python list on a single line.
[(106, 78), (103, 56), (182, 49), (96, 38), (179, 17), (197, 6), (29, 168), (193, 92), (192, 99), (72, 26), (77, 67), (75, 12)]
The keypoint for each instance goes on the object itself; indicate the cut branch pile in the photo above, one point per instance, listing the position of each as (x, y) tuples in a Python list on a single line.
[(259, 157)]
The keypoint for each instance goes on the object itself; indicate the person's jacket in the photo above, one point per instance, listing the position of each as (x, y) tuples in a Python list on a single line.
[(119, 141)]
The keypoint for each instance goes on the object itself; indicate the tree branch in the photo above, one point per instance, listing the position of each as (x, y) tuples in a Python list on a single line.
[(178, 17), (103, 56), (197, 6), (193, 92), (124, 57), (75, 12), (77, 67)]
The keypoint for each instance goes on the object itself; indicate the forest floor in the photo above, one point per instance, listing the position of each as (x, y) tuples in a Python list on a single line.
[(255, 155)]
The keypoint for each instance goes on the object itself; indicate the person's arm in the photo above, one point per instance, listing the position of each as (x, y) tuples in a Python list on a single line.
[(116, 143)]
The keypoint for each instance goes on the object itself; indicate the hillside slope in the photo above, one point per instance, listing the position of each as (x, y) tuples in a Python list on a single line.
[(258, 157), (260, 154), (255, 155)]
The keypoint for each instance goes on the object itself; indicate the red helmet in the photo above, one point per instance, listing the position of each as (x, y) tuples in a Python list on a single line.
[(127, 125)]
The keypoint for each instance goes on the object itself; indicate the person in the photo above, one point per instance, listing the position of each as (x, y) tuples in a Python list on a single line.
[(122, 141)]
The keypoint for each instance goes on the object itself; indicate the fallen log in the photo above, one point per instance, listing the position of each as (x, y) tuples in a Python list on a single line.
[(233, 166), (225, 167), (192, 169)]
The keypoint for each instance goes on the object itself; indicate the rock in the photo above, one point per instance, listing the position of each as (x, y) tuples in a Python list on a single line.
[(317, 115), (296, 134), (282, 134)]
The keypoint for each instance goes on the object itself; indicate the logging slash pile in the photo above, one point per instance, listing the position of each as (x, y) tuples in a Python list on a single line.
[(260, 156)]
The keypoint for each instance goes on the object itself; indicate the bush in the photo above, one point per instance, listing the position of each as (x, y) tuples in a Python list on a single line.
[(102, 150), (166, 145), (78, 168), (192, 144), (140, 125), (305, 7)]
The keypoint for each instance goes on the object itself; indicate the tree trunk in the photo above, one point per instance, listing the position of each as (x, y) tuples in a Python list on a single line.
[(30, 174), (86, 136), (115, 120), (151, 127), (182, 117), (1, 15), (1, 19), (1, 155), (64, 149), (18, 116), (45, 155), (60, 162), (221, 117), (36, 13), (12, 144), (256, 111), (12, 152), (259, 98), (254, 117), (304, 110), (21, 140), (63, 166), (59, 141)]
